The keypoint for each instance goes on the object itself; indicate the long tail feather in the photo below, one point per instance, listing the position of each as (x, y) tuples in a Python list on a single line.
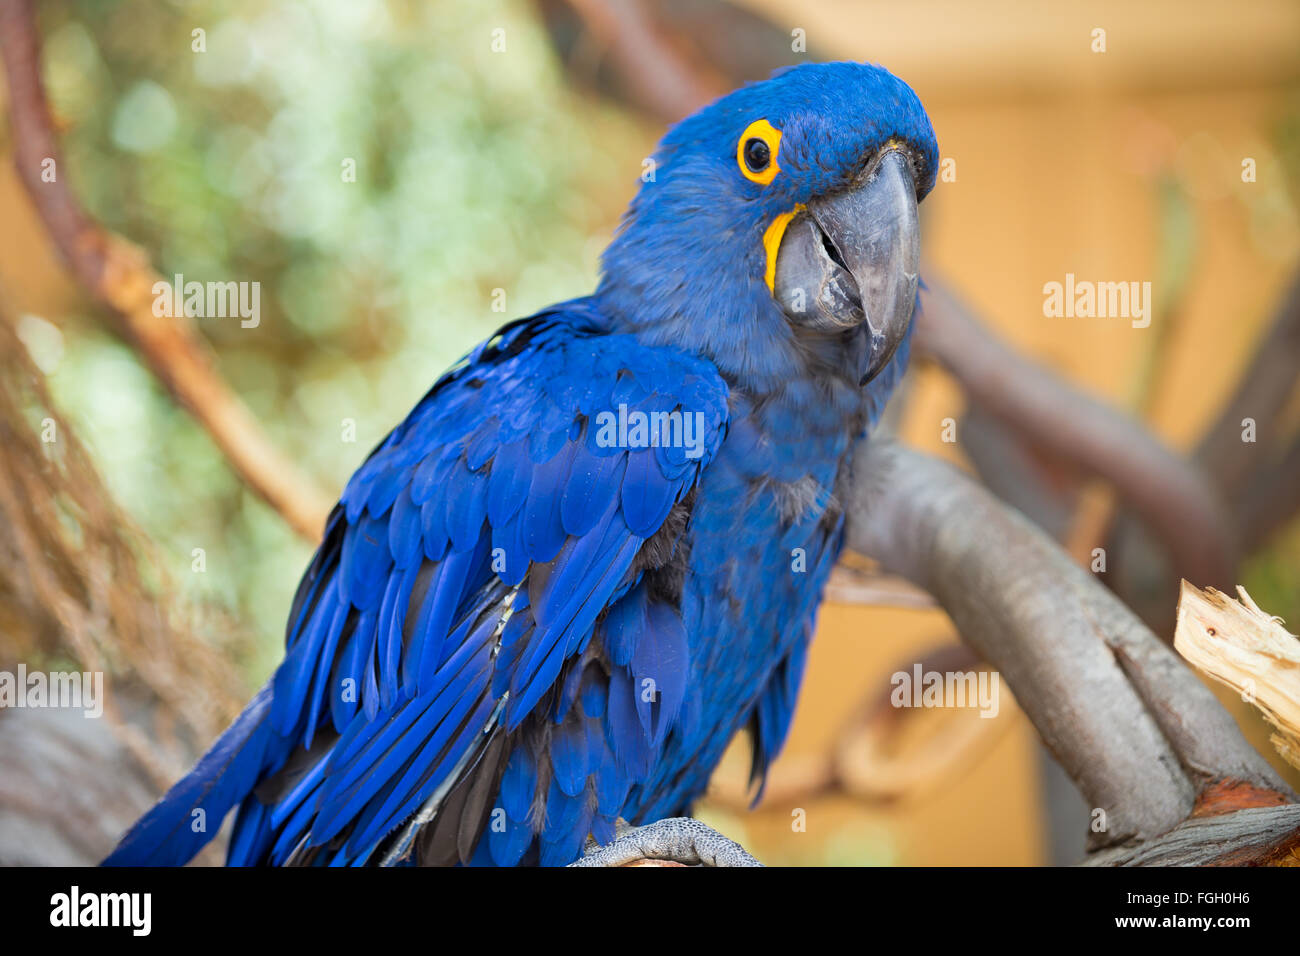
[(173, 831)]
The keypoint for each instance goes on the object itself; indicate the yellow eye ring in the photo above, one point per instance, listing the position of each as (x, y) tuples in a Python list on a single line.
[(756, 152)]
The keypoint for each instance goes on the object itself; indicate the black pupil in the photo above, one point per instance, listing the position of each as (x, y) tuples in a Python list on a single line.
[(757, 155)]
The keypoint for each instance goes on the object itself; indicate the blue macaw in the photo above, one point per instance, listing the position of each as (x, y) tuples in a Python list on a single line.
[(594, 551)]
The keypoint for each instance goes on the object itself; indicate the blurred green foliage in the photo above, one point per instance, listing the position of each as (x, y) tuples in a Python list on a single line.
[(475, 170)]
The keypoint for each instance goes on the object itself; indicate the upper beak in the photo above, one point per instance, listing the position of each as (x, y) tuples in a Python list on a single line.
[(854, 257)]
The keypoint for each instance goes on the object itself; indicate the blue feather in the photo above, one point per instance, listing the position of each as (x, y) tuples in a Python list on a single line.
[(518, 784), (630, 745), (509, 843), (543, 530), (623, 625), (435, 619), (405, 531), (466, 507), (592, 490), (662, 657), (511, 474), (569, 756), (250, 836), (647, 494), (292, 680)]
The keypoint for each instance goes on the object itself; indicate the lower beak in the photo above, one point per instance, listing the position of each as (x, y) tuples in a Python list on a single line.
[(854, 257)]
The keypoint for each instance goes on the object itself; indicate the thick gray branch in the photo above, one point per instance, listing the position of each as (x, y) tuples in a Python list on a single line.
[(1245, 838), (1132, 726)]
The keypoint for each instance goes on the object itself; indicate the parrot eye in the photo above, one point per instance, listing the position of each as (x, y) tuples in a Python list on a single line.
[(757, 151), (757, 155)]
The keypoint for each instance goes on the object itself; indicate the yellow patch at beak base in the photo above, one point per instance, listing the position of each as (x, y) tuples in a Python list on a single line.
[(772, 244)]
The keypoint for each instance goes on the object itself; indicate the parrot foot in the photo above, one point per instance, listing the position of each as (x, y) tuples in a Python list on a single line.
[(676, 840)]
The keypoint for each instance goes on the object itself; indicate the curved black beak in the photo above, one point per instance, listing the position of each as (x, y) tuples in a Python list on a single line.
[(854, 257)]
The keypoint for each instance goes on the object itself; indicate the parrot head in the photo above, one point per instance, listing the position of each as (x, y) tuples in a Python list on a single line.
[(778, 225)]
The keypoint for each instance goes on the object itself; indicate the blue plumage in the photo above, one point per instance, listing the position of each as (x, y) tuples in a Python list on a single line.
[(529, 619)]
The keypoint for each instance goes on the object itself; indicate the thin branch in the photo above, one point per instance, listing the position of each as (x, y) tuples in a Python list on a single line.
[(119, 276), (1269, 497), (851, 586), (656, 76), (1263, 393), (1257, 480), (1041, 488)]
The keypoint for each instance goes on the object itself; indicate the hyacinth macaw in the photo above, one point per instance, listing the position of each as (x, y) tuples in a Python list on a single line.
[(595, 550)]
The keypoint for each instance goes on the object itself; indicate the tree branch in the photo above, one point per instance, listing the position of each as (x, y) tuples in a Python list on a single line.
[(656, 76), (1251, 837), (1241, 646), (1136, 730), (119, 276), (1263, 392), (1256, 480), (1167, 492), (1269, 497)]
